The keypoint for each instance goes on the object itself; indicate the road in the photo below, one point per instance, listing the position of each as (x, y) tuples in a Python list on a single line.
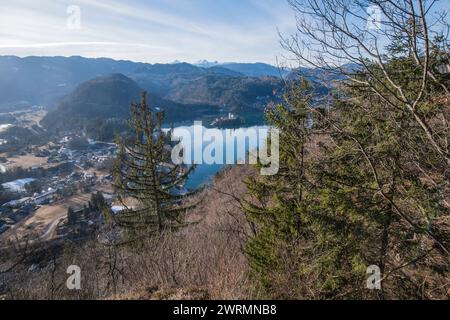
[(50, 233), (43, 223)]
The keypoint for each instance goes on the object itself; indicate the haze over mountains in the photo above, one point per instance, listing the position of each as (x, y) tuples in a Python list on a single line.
[(105, 101), (106, 96), (83, 89), (249, 69), (46, 80)]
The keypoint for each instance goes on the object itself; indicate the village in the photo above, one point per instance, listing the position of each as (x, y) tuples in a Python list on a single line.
[(54, 186), (55, 178)]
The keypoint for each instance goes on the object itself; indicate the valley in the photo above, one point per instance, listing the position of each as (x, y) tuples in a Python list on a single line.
[(66, 165), (51, 130), (252, 150)]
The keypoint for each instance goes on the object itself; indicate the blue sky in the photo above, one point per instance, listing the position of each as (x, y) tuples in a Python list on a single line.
[(150, 31)]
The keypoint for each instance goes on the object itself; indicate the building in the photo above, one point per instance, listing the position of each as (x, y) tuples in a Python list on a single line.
[(17, 185), (14, 204), (44, 197)]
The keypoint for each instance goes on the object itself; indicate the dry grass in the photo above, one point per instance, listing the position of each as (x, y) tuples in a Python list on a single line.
[(203, 260), (207, 255), (27, 161), (44, 220), (34, 117)]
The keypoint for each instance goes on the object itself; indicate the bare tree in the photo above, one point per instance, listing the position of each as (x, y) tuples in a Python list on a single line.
[(340, 37), (376, 174)]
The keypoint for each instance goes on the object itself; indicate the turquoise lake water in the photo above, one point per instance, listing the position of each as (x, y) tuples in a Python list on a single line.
[(199, 142)]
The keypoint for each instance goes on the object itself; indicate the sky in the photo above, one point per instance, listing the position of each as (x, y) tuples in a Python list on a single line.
[(154, 31)]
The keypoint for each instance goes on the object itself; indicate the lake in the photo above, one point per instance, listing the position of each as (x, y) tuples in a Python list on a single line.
[(231, 146)]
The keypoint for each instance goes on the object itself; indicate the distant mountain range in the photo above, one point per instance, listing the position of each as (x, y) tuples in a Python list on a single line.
[(80, 89), (109, 98), (47, 80), (249, 69)]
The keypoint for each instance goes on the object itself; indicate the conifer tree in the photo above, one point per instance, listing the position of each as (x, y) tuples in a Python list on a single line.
[(144, 174), (71, 217), (368, 182)]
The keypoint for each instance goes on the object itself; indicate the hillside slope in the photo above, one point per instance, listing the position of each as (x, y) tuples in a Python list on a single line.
[(100, 98), (203, 260), (109, 98), (233, 94), (46, 80)]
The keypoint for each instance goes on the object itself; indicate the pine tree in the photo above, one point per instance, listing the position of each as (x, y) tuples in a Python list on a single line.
[(368, 182), (361, 186), (71, 217), (97, 201), (144, 172)]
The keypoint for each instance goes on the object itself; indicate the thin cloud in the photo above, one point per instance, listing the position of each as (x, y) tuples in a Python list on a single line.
[(156, 31), (80, 43)]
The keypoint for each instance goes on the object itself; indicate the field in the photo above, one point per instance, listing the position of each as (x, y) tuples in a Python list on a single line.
[(26, 161), (30, 116), (43, 223)]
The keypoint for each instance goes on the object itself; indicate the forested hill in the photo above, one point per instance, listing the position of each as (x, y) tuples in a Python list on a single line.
[(103, 97), (46, 80), (106, 100)]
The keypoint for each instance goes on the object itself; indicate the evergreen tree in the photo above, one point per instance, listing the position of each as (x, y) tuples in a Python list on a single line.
[(304, 236), (363, 183), (71, 217), (97, 201), (144, 171)]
